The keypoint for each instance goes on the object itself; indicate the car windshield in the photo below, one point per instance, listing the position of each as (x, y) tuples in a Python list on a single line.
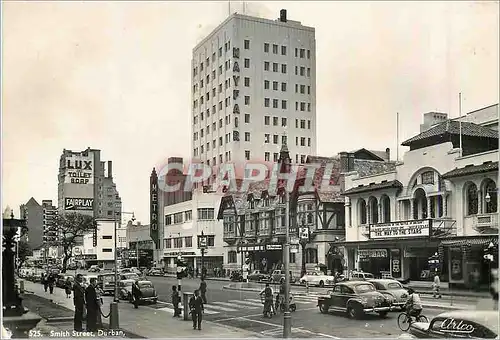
[(145, 285), (131, 276), (369, 276), (364, 288), (394, 285)]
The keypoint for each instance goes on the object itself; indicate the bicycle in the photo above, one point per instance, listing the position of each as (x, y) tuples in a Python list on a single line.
[(405, 320)]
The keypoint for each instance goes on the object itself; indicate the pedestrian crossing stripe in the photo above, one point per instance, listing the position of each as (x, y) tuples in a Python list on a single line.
[(224, 309), (231, 305), (250, 303), (171, 311)]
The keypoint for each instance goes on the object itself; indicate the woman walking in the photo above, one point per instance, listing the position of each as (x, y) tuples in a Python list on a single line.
[(68, 287)]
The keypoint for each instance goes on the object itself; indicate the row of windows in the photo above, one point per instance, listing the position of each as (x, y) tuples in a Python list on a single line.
[(227, 67), (232, 257), (228, 120), (267, 157), (179, 217), (187, 242), (299, 88), (227, 47)]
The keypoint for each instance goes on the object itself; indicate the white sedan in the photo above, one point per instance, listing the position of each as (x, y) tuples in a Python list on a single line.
[(317, 279)]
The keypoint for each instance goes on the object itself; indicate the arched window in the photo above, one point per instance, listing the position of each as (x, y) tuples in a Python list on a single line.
[(362, 211), (386, 209), (491, 204), (471, 199), (373, 210), (420, 205)]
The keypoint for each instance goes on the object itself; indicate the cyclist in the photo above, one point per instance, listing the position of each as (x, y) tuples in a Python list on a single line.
[(268, 299), (413, 305)]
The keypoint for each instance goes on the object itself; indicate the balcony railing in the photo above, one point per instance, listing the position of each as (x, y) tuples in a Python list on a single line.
[(481, 222), (264, 232), (444, 226), (250, 233), (280, 230)]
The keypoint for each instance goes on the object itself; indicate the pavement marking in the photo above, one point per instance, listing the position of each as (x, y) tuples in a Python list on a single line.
[(224, 309), (232, 305), (171, 311), (328, 336), (252, 315), (254, 304), (256, 300)]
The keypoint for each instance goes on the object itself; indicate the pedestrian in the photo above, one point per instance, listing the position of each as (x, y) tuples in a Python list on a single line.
[(79, 302), (203, 272), (197, 309), (436, 287), (68, 287), (51, 280), (92, 305), (45, 282), (203, 290), (99, 294), (176, 299), (197, 272), (136, 293)]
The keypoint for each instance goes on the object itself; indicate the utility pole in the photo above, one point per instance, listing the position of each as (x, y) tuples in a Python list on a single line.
[(287, 318)]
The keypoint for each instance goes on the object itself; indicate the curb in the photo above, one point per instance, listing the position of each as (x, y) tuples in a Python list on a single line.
[(59, 319), (235, 329)]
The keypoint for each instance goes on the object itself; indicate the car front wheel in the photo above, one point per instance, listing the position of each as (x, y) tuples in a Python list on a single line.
[(354, 312), (323, 308)]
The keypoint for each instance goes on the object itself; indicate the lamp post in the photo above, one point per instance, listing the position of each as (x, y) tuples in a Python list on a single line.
[(203, 248), (304, 239), (287, 317)]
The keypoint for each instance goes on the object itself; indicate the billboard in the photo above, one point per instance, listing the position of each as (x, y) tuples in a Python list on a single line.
[(72, 203), (79, 169), (415, 228), (153, 210)]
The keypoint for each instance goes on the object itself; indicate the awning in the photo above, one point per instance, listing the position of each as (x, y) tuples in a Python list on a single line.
[(472, 241)]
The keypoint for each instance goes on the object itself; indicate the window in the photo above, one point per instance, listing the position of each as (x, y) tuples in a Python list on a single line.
[(107, 237), (275, 103), (302, 53), (275, 67), (178, 242), (275, 139), (292, 257), (308, 107), (168, 243), (275, 156), (247, 82), (266, 49), (308, 54), (283, 50), (220, 51), (302, 124), (309, 124), (246, 44), (275, 121), (246, 63), (266, 84), (296, 52), (232, 256), (296, 71), (308, 89), (283, 68), (308, 141), (267, 138), (302, 71), (107, 250), (205, 214), (247, 155), (302, 89), (283, 140), (178, 216), (428, 177), (247, 118), (275, 49), (211, 241), (247, 136), (266, 102), (188, 241), (283, 104), (302, 106), (220, 105), (302, 159), (283, 122), (296, 106), (283, 87), (247, 100), (188, 215), (110, 213), (266, 120), (308, 71), (275, 85), (266, 65)]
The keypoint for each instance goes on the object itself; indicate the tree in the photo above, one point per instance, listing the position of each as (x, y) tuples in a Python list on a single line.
[(23, 253), (71, 227)]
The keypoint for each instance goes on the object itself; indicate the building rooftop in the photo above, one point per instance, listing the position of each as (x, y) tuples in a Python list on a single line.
[(472, 169)]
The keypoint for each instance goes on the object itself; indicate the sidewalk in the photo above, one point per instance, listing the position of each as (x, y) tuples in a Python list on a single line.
[(147, 322), (450, 302)]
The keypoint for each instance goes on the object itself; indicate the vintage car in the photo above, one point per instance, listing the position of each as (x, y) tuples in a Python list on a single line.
[(361, 276), (317, 278), (125, 289), (458, 324), (155, 272), (148, 292), (356, 299), (278, 276), (257, 275), (392, 288), (94, 269), (106, 281), (129, 276)]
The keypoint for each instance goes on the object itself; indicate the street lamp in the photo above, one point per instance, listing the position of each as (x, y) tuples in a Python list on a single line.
[(203, 246), (488, 197), (304, 239)]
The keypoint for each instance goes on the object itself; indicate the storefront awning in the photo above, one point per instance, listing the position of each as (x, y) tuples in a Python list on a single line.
[(473, 241), (395, 242)]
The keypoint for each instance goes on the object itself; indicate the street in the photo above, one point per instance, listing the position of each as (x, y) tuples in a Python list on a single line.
[(244, 310)]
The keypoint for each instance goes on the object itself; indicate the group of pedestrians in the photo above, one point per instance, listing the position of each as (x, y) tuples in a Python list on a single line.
[(48, 281), (87, 301), (196, 303)]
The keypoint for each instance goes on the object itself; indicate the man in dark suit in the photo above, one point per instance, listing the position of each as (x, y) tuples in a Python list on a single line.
[(136, 293), (203, 290), (92, 305), (79, 302), (196, 307)]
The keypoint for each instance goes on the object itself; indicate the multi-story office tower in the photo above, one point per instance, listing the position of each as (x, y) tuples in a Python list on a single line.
[(253, 88), (86, 185)]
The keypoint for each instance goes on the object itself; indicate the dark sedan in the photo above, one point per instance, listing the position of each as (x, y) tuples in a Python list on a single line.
[(148, 293), (257, 275)]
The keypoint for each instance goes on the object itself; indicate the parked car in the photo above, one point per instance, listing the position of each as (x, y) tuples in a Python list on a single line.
[(106, 281), (356, 299), (125, 289), (236, 276), (94, 269), (155, 272), (361, 276), (257, 275), (129, 276), (279, 276), (148, 292), (62, 278), (393, 289), (458, 324), (317, 279)]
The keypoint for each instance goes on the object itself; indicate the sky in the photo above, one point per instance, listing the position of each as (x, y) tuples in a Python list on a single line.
[(115, 76)]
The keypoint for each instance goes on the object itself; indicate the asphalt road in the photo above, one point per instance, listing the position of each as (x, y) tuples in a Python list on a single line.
[(243, 310)]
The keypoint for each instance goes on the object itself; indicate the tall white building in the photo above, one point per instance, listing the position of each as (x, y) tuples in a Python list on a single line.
[(252, 80)]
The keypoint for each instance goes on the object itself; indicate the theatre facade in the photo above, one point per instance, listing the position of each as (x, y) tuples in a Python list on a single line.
[(436, 211)]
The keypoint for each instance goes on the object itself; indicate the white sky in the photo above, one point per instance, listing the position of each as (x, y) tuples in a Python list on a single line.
[(116, 76)]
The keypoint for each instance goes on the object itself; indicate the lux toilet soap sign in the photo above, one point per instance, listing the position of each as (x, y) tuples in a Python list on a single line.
[(79, 171)]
